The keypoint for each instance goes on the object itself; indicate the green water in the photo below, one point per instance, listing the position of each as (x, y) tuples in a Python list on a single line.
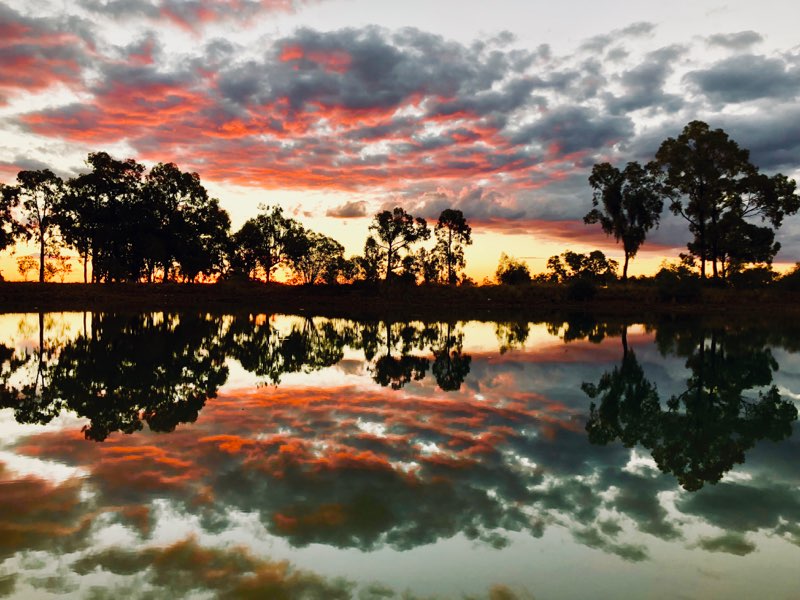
[(194, 456)]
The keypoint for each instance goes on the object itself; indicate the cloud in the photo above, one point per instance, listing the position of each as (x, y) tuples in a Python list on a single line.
[(599, 43), (38, 53), (741, 40), (746, 77), (349, 210), (192, 15), (644, 84), (573, 129)]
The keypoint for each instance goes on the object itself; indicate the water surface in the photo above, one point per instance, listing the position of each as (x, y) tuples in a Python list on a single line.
[(196, 456)]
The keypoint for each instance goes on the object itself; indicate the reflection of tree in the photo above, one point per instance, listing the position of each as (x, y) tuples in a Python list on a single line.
[(124, 371), (706, 429), (266, 351), (512, 335), (33, 400), (580, 326), (450, 364), (397, 366), (146, 368)]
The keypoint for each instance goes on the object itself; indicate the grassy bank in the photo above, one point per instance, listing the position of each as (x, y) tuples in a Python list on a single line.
[(434, 303)]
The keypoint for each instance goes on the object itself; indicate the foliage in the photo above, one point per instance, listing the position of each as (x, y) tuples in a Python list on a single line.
[(594, 266), (631, 205), (713, 185), (753, 278), (316, 258), (369, 265), (26, 264), (511, 271), (706, 429), (38, 194), (267, 242), (581, 289), (452, 234), (396, 231), (677, 283), (10, 229)]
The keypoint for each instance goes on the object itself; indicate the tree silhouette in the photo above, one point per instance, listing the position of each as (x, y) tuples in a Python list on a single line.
[(570, 266), (268, 241), (631, 205), (707, 175), (39, 194), (396, 230), (10, 229), (452, 234), (511, 271), (315, 256)]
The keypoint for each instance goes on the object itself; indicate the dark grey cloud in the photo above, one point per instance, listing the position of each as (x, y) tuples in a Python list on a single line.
[(348, 210), (773, 137), (747, 77), (741, 40), (574, 129), (644, 84), (479, 203), (599, 43)]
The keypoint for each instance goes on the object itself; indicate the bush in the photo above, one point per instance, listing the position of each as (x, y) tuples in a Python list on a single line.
[(581, 290), (511, 271), (749, 279), (677, 284), (791, 280)]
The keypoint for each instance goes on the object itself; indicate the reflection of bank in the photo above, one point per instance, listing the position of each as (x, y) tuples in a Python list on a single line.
[(705, 430)]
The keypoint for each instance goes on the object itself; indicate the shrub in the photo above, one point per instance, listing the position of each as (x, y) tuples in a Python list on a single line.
[(677, 284), (581, 290)]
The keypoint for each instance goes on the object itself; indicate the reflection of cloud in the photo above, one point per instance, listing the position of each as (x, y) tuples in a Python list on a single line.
[(731, 543), (36, 514), (186, 567)]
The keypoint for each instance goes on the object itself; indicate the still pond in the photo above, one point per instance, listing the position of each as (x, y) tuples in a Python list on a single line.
[(275, 456)]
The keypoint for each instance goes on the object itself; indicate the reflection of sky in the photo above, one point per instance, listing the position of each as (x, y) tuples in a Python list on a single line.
[(442, 493)]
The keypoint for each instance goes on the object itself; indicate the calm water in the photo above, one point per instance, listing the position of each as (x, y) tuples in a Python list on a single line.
[(172, 456)]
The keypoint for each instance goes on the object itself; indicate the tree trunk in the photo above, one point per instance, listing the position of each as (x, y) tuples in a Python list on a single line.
[(41, 260), (625, 267)]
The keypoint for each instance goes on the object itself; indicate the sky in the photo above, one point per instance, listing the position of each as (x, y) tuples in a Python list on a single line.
[(336, 109)]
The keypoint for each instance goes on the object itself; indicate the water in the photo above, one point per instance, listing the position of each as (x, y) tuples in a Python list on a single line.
[(157, 455)]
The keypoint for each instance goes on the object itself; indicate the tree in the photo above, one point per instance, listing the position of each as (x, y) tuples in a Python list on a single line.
[(397, 230), (452, 234), (707, 175), (190, 230), (10, 229), (369, 264), (26, 264), (570, 266), (268, 241), (511, 271), (631, 205), (316, 256), (39, 194), (103, 217)]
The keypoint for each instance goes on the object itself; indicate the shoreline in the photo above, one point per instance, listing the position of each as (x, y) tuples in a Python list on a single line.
[(389, 303)]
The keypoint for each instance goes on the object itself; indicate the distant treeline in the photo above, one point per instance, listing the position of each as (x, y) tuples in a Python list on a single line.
[(135, 225)]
